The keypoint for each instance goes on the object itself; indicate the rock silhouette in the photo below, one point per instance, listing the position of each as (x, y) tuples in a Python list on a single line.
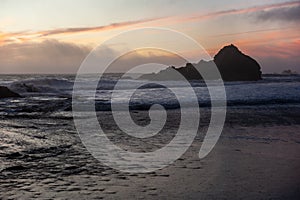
[(236, 66), (232, 64), (7, 93)]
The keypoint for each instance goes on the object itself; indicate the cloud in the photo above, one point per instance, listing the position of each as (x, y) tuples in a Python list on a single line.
[(253, 9), (33, 52), (9, 37), (52, 56), (27, 36), (95, 28), (287, 14), (148, 57), (252, 31), (283, 11), (49, 56)]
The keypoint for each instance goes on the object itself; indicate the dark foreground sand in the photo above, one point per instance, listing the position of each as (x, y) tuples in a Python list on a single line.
[(257, 157)]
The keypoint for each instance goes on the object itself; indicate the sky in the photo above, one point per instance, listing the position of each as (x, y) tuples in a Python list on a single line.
[(54, 36)]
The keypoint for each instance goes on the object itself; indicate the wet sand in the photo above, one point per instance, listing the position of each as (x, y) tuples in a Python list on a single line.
[(257, 157)]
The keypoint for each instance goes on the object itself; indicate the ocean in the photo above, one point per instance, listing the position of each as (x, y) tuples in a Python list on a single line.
[(53, 93), (42, 156)]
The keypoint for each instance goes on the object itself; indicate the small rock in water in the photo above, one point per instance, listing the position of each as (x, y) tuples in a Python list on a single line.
[(7, 93), (14, 155), (15, 168)]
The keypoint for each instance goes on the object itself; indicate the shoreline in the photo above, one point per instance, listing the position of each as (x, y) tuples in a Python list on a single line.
[(256, 157)]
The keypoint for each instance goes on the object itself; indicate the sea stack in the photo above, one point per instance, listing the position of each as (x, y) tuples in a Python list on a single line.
[(232, 64), (236, 66)]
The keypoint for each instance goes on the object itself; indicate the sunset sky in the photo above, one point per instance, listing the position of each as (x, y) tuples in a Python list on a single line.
[(54, 36)]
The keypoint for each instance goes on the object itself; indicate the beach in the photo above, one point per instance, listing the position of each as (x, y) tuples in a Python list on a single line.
[(256, 157)]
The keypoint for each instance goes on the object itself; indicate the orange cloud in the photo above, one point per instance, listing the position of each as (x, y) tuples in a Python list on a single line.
[(94, 29), (281, 44), (269, 37), (25, 36), (9, 37), (282, 49)]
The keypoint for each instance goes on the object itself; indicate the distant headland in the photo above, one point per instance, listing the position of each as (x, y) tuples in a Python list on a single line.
[(232, 64)]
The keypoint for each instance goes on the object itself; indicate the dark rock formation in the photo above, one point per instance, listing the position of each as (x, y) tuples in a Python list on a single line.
[(236, 66), (7, 93), (289, 72), (232, 64)]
